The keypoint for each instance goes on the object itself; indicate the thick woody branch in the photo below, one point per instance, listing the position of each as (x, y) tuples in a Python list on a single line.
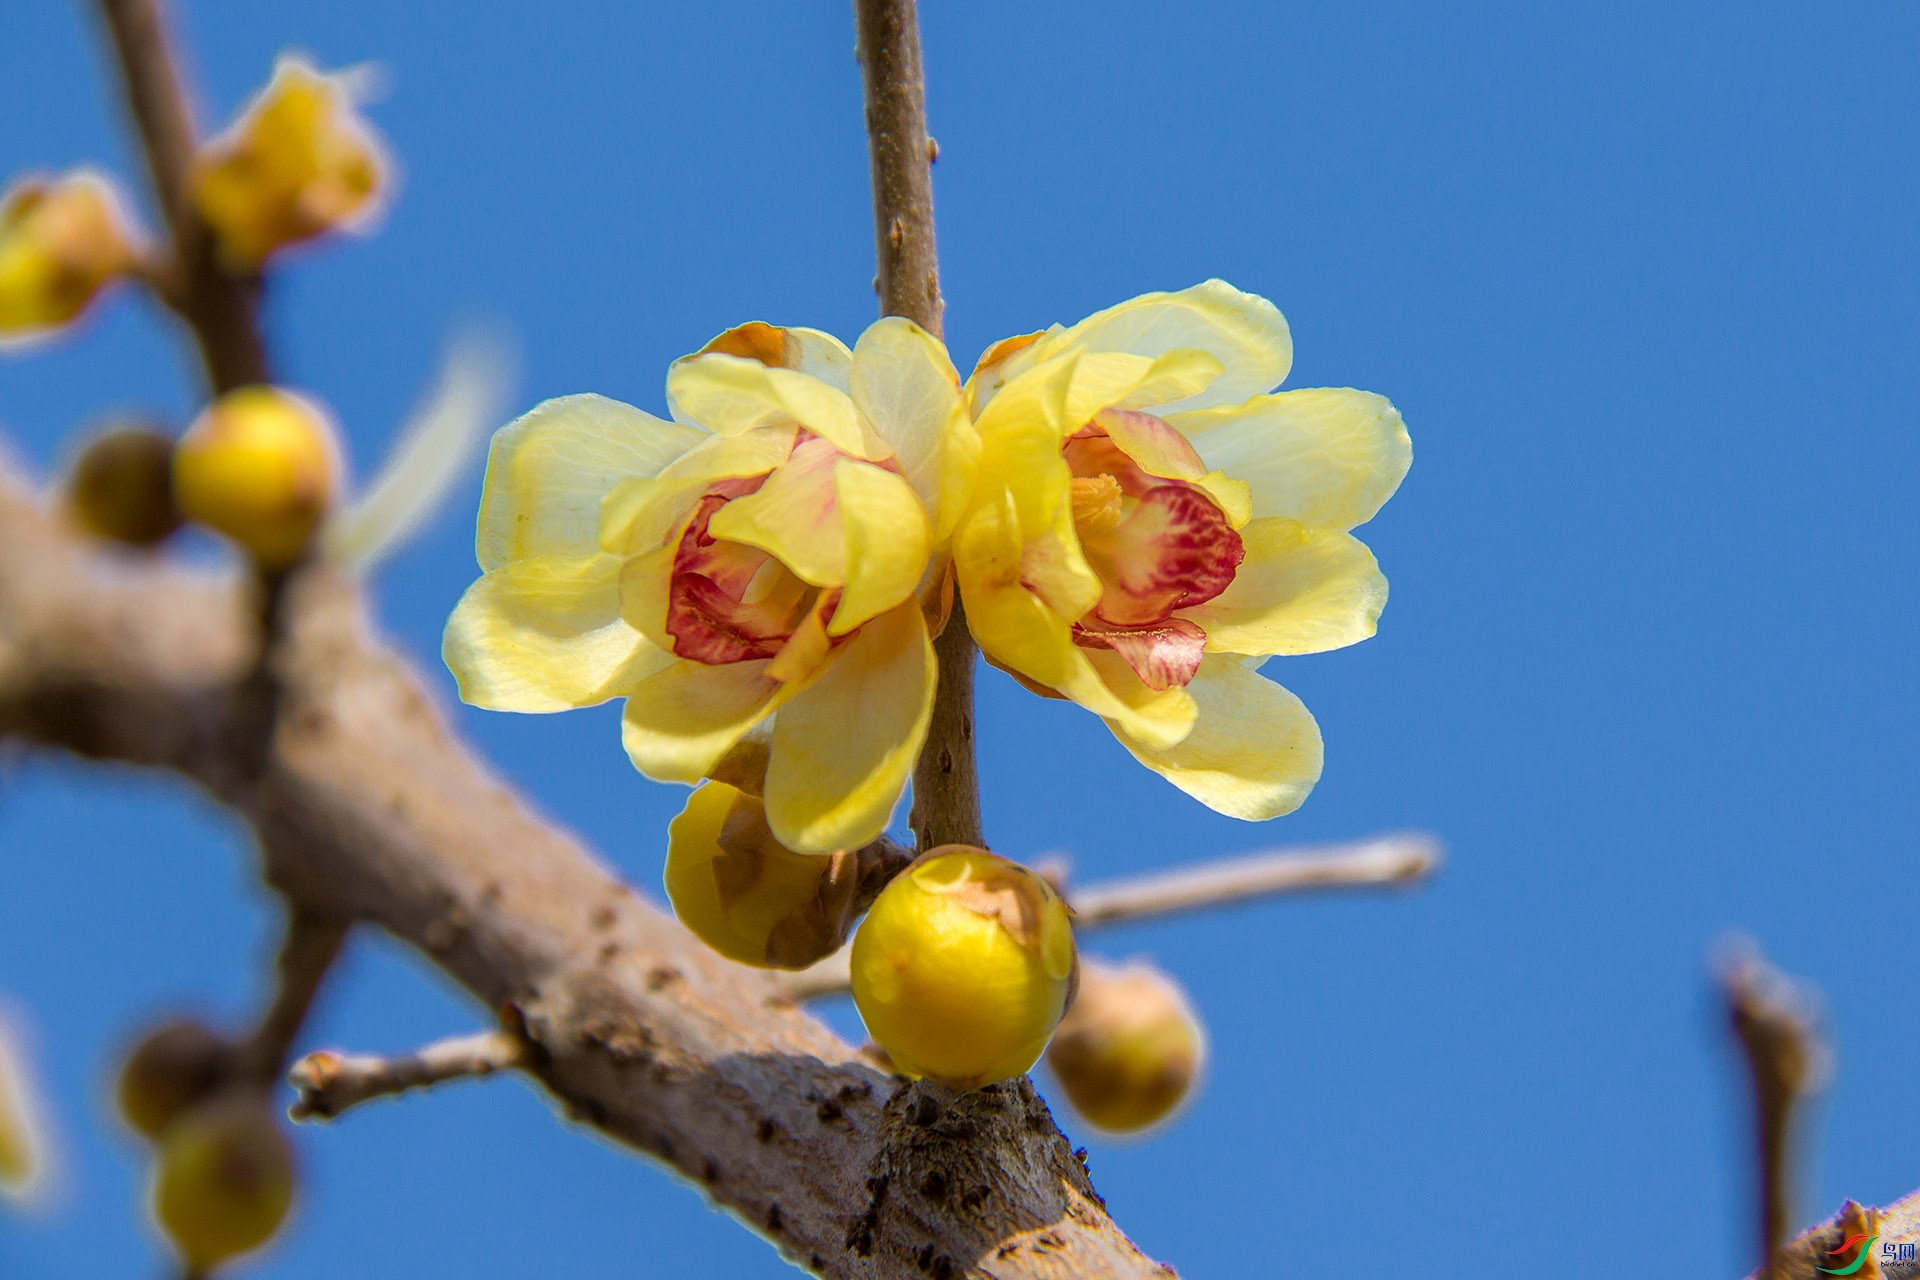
[(327, 1083), (220, 311), (368, 809)]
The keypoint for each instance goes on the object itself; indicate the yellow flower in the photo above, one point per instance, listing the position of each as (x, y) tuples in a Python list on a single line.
[(762, 556), (1149, 525), (260, 465), (61, 243), (963, 967), (298, 162)]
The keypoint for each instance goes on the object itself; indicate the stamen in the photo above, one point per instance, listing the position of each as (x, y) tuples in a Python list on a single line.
[(1096, 503)]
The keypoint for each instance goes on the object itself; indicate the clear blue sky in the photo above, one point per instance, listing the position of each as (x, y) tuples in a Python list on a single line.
[(1642, 279)]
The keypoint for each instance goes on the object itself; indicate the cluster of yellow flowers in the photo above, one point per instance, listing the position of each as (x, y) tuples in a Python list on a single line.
[(1132, 519)]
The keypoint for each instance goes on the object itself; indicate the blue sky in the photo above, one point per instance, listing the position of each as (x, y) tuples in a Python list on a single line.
[(1642, 279)]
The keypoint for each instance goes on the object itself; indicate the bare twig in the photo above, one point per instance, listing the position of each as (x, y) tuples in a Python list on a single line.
[(312, 944), (1785, 1060), (329, 1083), (1386, 860), (220, 310), (946, 778)]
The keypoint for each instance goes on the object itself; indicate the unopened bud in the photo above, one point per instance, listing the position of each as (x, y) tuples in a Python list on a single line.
[(1130, 1049), (962, 968), (61, 242), (259, 465), (23, 1142), (121, 487), (223, 1180), (745, 894), (173, 1067), (297, 163)]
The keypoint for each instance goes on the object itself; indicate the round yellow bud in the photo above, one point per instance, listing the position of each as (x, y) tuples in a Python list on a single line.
[(121, 487), (745, 894), (224, 1178), (61, 243), (174, 1066), (260, 466), (1130, 1049), (963, 966)]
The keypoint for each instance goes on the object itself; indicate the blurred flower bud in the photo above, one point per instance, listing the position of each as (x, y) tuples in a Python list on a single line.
[(121, 487), (748, 896), (173, 1067), (298, 162), (223, 1180), (23, 1140), (61, 242), (260, 466), (1130, 1049), (962, 968)]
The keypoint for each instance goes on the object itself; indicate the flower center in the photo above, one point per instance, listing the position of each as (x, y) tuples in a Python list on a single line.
[(726, 601), (1158, 545)]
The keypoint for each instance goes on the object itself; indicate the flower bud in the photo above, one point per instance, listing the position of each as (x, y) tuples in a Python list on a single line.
[(23, 1142), (258, 465), (298, 162), (1130, 1049), (61, 242), (748, 896), (121, 487), (223, 1181), (173, 1067), (962, 968)]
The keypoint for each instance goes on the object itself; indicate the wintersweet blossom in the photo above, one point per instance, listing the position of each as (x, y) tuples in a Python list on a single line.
[(755, 566), (1149, 525), (62, 241)]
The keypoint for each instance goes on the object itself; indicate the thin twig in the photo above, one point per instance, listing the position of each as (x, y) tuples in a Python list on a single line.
[(311, 946), (946, 778), (1785, 1059), (329, 1083), (1384, 861)]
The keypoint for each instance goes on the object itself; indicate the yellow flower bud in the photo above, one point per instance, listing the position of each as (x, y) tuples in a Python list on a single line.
[(224, 1179), (174, 1066), (259, 465), (121, 487), (1130, 1049), (298, 162), (61, 242), (23, 1143), (745, 894), (963, 967)]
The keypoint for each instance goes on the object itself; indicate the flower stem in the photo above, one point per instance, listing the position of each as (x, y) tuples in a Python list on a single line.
[(946, 780)]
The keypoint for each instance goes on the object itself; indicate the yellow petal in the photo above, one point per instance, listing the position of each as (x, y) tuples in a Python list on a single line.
[(731, 394), (1328, 457), (795, 516), (907, 389), (1165, 379), (1254, 751), (680, 721), (638, 514), (809, 351), (1298, 591), (545, 634), (842, 748), (549, 468), (887, 542)]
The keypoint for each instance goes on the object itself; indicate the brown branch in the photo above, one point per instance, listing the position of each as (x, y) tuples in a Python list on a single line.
[(946, 778), (367, 808), (1785, 1060), (328, 1083), (307, 954), (220, 311), (1822, 1246)]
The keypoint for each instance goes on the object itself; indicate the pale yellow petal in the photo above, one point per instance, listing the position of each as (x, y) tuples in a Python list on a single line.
[(887, 541), (842, 748), (1328, 457), (639, 513), (795, 516), (1254, 751), (548, 469), (809, 351), (1299, 590), (645, 582), (907, 389), (731, 394), (545, 634), (681, 720)]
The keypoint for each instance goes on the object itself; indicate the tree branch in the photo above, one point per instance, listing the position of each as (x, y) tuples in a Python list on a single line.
[(328, 1082), (946, 778), (367, 808), (312, 945)]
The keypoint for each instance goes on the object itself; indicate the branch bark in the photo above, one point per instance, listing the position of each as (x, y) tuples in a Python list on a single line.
[(367, 808), (328, 1083)]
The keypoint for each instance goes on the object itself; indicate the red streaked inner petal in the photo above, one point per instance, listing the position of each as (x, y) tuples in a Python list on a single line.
[(728, 602), (1164, 656), (1172, 550)]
